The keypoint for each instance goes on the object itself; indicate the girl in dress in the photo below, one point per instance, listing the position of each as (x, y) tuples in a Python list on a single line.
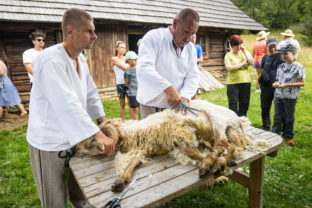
[(8, 93)]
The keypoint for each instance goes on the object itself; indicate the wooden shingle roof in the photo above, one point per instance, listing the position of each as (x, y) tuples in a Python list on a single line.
[(213, 13)]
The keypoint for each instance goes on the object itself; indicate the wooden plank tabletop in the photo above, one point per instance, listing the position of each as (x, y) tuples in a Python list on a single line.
[(158, 182)]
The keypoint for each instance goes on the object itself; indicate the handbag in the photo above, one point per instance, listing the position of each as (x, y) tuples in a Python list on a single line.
[(264, 79)]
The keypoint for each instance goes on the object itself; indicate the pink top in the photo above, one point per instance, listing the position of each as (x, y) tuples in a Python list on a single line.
[(259, 50)]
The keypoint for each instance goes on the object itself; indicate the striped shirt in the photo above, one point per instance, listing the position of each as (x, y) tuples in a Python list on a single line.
[(286, 74)]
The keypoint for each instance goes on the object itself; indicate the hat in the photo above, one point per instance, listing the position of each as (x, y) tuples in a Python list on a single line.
[(262, 34), (288, 33), (272, 41), (131, 55), (289, 47)]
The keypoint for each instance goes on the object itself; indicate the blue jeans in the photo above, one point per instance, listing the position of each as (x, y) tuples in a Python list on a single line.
[(284, 117)]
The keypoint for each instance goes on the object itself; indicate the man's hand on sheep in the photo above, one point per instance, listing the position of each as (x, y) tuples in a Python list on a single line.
[(173, 97), (106, 141), (101, 120)]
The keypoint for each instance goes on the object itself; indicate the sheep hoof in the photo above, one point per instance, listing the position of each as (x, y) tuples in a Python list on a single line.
[(203, 172), (232, 163), (118, 186)]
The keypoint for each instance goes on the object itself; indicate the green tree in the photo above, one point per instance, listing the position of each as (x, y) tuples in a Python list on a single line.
[(281, 14)]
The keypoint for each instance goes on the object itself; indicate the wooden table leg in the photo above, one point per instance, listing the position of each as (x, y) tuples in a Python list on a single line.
[(256, 183)]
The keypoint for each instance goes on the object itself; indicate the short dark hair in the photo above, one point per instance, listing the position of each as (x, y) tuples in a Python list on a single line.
[(184, 13), (73, 17), (35, 35), (236, 40)]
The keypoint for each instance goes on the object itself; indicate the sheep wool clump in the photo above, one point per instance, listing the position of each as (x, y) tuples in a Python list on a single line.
[(212, 139)]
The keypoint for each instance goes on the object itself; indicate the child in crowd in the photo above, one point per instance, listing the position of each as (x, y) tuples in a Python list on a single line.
[(289, 80), (132, 84)]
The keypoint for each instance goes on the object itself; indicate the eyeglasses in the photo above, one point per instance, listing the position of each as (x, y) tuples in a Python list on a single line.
[(39, 40)]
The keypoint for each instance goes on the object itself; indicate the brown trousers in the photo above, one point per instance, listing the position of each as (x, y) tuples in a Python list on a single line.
[(147, 110), (54, 181)]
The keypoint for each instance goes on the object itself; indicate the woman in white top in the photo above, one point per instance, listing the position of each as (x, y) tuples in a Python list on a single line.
[(119, 68)]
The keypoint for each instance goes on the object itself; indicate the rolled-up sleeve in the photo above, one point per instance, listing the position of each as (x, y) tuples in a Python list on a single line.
[(72, 119), (150, 83)]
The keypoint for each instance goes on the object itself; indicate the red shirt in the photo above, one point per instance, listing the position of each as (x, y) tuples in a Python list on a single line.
[(259, 50)]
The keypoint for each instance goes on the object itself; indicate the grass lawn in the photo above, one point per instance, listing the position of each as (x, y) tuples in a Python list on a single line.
[(288, 177)]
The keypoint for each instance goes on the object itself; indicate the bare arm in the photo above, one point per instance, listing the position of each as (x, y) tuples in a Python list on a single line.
[(119, 63), (127, 83), (200, 59), (297, 84), (1, 68), (230, 67), (249, 59), (28, 67)]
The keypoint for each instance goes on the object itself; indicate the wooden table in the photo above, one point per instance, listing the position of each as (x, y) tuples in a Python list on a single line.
[(164, 179)]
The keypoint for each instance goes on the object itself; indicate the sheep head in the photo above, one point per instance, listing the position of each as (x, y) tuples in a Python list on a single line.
[(91, 147)]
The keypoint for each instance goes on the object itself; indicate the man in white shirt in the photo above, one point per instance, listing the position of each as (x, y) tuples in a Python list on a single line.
[(63, 102), (167, 71), (30, 55)]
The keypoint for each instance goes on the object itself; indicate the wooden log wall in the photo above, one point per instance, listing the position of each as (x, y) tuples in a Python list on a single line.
[(99, 57), (214, 61), (14, 39)]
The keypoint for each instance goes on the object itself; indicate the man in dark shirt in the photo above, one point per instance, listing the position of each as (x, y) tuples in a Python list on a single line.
[(269, 64)]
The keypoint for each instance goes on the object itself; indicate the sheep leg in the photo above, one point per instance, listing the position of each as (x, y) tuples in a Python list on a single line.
[(224, 161), (206, 162), (124, 179), (229, 156)]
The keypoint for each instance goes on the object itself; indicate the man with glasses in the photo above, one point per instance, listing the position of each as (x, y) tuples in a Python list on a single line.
[(30, 55)]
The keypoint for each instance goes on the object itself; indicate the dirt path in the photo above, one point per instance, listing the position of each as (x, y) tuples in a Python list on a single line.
[(12, 121)]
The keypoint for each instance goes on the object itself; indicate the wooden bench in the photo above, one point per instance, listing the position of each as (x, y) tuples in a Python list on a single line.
[(164, 179)]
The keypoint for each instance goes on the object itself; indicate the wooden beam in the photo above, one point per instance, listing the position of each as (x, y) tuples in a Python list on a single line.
[(256, 176), (272, 154), (240, 177)]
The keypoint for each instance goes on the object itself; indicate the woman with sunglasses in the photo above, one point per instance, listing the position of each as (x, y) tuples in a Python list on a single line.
[(120, 66), (8, 93), (30, 55)]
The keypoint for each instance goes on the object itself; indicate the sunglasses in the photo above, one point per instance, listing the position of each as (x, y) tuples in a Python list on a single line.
[(39, 40)]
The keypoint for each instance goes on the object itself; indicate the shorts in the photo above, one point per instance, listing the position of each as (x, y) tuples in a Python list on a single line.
[(133, 102), (121, 90), (257, 65)]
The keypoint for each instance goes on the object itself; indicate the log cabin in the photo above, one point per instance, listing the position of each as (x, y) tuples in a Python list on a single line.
[(126, 20)]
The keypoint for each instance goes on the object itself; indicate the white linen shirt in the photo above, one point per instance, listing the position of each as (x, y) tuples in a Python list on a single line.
[(61, 101), (159, 67)]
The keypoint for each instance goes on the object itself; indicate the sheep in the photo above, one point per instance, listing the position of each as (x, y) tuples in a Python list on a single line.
[(211, 139)]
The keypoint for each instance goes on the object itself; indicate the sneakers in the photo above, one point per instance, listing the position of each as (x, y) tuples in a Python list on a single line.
[(257, 90), (290, 142)]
